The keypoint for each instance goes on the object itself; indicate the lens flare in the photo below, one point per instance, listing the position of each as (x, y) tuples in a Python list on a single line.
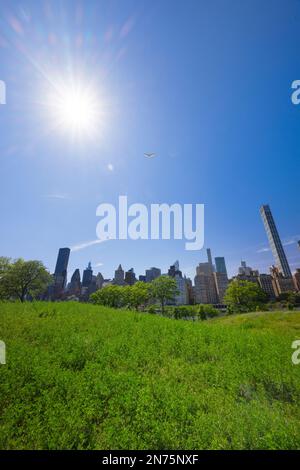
[(76, 109)]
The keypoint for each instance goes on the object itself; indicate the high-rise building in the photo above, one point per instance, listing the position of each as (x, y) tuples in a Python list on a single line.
[(93, 285), (62, 260), (266, 283), (221, 282), (220, 265), (245, 270), (190, 289), (130, 278), (152, 274), (246, 273), (119, 276), (87, 276), (56, 291), (60, 273), (75, 284), (204, 268), (174, 270), (99, 281), (275, 242), (205, 291), (281, 284), (182, 296), (209, 259), (297, 279)]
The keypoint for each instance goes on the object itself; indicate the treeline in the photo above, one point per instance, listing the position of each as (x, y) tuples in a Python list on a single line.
[(240, 297), (28, 280), (151, 297), (139, 295)]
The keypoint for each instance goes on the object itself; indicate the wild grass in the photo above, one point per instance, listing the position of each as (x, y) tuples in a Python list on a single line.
[(80, 376)]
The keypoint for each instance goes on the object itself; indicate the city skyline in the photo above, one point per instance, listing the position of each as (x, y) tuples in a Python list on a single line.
[(220, 265), (210, 281)]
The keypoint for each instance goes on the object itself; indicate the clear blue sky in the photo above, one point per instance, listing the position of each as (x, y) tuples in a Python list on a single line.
[(205, 84)]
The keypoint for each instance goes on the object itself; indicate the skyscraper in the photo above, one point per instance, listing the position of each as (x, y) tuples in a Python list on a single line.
[(221, 282), (60, 273), (174, 270), (62, 260), (119, 276), (266, 283), (152, 274), (209, 259), (281, 283), (220, 265), (75, 284), (87, 276), (205, 288), (130, 278), (274, 241), (204, 268)]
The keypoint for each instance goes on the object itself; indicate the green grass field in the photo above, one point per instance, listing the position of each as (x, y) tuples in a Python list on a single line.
[(86, 377)]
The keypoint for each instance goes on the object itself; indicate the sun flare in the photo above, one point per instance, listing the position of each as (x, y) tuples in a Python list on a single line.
[(76, 110)]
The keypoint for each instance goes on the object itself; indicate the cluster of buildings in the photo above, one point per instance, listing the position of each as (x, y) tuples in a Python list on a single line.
[(210, 282)]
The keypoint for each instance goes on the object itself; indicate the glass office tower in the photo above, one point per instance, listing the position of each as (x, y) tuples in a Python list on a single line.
[(274, 241)]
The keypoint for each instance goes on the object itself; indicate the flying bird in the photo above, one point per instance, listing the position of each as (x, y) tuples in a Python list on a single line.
[(150, 155)]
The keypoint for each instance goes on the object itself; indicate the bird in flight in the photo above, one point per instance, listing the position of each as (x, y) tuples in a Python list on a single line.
[(149, 155)]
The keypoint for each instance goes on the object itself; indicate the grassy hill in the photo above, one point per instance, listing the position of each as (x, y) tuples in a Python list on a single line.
[(86, 377)]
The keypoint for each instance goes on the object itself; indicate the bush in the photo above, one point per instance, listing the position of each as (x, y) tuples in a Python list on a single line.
[(206, 311), (151, 309), (244, 296)]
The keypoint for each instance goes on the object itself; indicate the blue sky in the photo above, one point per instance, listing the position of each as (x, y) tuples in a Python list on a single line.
[(204, 84)]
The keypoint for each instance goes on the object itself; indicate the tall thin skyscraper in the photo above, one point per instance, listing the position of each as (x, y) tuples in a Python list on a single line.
[(60, 273), (209, 257), (62, 260), (274, 241)]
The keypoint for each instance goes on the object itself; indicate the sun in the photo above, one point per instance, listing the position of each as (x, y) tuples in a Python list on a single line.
[(76, 110)]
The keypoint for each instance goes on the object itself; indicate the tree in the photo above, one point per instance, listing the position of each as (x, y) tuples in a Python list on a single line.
[(21, 279), (117, 296), (244, 296), (139, 294), (4, 265), (110, 296), (163, 288)]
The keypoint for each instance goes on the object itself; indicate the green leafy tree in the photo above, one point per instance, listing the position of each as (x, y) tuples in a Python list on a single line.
[(110, 296), (4, 266), (244, 296), (163, 288), (21, 279), (125, 296), (139, 294)]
